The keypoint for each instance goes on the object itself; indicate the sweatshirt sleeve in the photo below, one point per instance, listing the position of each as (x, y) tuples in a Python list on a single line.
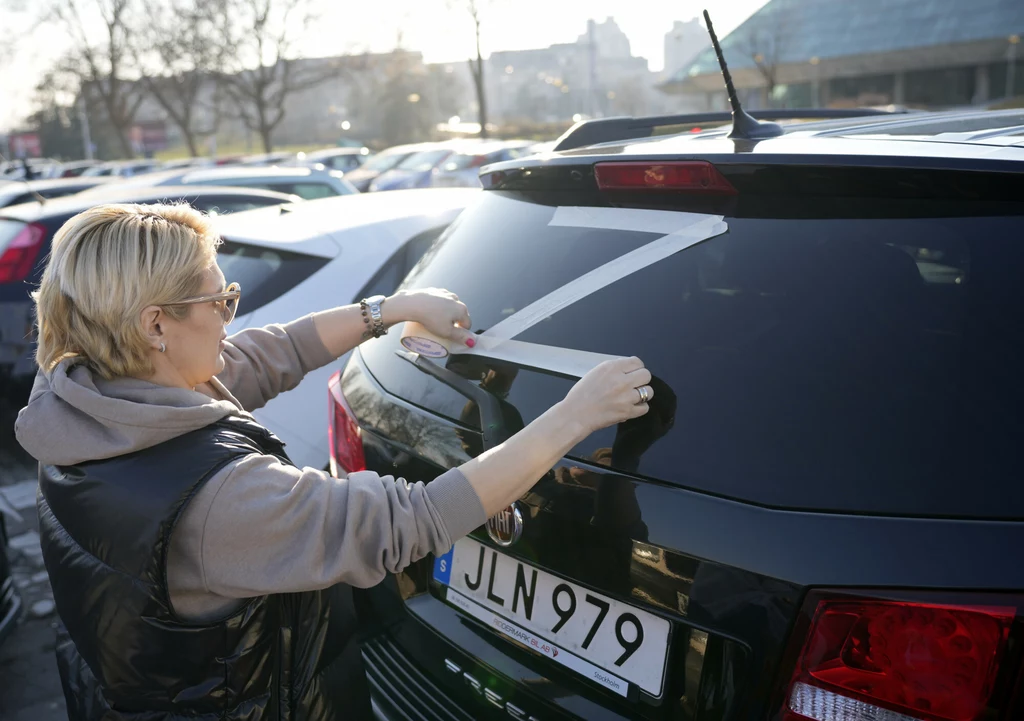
[(274, 528), (260, 363)]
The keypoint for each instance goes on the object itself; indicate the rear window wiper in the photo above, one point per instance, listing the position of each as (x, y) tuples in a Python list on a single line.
[(494, 428)]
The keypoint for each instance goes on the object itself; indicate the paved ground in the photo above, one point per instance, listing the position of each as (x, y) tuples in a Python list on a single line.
[(29, 685)]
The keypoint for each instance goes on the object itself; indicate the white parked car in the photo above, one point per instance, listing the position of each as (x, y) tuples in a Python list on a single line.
[(311, 256)]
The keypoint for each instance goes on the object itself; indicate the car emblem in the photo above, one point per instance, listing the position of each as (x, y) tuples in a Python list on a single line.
[(506, 526)]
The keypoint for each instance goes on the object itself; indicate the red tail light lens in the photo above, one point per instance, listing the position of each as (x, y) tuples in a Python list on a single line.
[(690, 176), (867, 659), (343, 433), (20, 255)]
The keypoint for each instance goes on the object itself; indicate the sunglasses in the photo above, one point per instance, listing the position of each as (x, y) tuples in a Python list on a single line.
[(226, 301)]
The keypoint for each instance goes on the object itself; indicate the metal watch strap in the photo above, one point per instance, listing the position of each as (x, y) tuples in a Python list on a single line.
[(371, 306)]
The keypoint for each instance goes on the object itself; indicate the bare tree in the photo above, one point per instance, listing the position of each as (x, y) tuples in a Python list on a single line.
[(770, 36), (262, 65), (102, 61), (180, 53), (476, 65)]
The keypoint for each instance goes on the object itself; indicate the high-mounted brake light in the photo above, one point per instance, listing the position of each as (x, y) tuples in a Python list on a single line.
[(19, 257), (344, 436), (873, 659), (687, 176)]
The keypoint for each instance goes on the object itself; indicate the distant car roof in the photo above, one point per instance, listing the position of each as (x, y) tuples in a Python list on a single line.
[(332, 152), (314, 218), (408, 148), (203, 176), (20, 186), (482, 147), (116, 194)]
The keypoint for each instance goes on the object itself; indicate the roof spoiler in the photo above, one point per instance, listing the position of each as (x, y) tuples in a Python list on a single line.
[(609, 130)]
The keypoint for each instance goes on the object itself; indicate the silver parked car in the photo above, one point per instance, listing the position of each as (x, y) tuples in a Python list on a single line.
[(307, 183), (462, 169)]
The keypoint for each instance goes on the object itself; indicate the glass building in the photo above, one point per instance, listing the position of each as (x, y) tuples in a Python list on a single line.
[(927, 54)]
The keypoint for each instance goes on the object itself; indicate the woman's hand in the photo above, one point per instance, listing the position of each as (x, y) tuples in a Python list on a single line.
[(603, 397), (439, 311), (609, 394)]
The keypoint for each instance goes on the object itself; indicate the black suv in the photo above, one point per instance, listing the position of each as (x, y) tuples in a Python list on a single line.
[(822, 516)]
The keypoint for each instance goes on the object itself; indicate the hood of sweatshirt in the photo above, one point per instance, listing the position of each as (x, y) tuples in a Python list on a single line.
[(75, 416)]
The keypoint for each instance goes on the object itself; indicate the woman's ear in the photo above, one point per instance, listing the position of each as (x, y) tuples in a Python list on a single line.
[(151, 317)]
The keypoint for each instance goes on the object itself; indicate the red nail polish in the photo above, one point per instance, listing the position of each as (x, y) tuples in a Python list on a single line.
[(471, 342)]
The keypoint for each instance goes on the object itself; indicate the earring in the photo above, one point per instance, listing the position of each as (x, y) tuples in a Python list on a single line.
[(163, 348)]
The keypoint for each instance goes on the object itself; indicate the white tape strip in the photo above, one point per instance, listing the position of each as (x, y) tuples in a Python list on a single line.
[(697, 228), (639, 220), (682, 230), (562, 361)]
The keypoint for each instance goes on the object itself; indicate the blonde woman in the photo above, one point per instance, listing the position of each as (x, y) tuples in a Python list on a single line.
[(197, 572)]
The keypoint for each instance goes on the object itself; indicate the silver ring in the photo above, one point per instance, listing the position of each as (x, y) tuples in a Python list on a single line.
[(644, 397)]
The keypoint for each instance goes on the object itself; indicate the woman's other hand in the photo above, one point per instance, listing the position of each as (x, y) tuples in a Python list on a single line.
[(438, 310), (613, 392)]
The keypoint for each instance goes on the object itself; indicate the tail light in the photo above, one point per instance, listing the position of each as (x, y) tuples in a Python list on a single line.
[(478, 161), (19, 257), (878, 659), (690, 176), (345, 438)]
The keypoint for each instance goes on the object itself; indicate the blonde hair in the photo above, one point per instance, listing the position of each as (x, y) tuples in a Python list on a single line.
[(106, 265)]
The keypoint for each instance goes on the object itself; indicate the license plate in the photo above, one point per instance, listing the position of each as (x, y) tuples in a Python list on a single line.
[(612, 643)]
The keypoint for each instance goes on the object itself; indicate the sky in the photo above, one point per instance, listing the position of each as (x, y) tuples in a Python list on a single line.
[(440, 33)]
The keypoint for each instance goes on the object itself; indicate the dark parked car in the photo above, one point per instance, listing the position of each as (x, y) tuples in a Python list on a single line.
[(307, 183), (17, 192), (822, 515), (26, 231)]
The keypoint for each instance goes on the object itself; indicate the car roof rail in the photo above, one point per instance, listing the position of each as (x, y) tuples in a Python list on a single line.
[(609, 130)]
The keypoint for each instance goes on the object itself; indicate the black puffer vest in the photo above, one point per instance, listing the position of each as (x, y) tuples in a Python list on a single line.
[(105, 530)]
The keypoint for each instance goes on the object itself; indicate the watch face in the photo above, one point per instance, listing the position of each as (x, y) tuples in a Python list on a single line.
[(376, 299)]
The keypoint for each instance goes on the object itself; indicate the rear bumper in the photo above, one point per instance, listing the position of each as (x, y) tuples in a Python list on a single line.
[(434, 665), (399, 690)]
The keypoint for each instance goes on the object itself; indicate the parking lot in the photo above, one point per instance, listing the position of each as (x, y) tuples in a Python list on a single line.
[(31, 689)]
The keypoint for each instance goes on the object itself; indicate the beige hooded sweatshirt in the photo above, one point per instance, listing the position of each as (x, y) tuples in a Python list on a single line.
[(257, 526)]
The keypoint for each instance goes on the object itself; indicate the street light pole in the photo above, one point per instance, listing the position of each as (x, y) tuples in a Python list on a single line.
[(1011, 65), (83, 119)]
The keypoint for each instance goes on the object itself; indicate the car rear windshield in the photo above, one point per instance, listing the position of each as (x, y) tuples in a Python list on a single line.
[(860, 365), (264, 273)]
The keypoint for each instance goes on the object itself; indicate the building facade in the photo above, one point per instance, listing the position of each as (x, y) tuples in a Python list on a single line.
[(927, 54)]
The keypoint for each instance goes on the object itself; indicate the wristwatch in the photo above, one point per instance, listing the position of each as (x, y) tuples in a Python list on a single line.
[(372, 315)]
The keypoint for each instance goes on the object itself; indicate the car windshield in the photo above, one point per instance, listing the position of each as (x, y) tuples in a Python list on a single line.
[(421, 162)]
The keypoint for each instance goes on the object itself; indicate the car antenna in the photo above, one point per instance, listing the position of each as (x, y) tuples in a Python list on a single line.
[(744, 127)]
